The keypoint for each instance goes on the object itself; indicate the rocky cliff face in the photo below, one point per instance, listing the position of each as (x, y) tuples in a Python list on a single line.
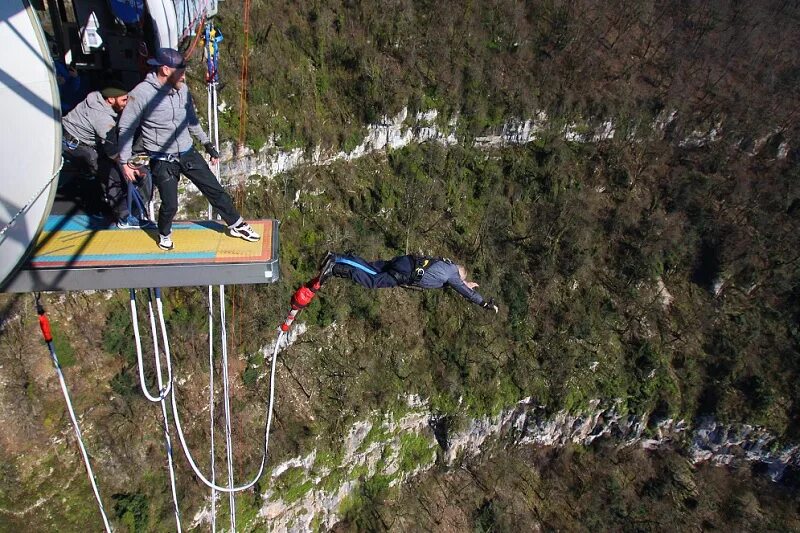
[(404, 129), (397, 132), (390, 132), (709, 440), (398, 448)]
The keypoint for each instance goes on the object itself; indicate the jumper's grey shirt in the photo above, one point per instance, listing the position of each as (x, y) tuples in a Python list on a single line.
[(166, 117), (94, 123), (440, 273)]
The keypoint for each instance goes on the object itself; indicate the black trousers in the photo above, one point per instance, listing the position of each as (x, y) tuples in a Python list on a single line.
[(376, 274), (191, 164), (82, 157), (116, 188), (110, 183)]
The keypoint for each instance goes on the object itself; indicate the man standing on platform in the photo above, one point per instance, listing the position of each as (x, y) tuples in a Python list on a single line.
[(89, 142), (162, 109)]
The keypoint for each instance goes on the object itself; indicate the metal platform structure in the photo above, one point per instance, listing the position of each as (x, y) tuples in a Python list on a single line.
[(82, 252)]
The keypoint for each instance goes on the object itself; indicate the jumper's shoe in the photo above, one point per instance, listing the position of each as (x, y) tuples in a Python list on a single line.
[(244, 231), (131, 222), (326, 267), (165, 242)]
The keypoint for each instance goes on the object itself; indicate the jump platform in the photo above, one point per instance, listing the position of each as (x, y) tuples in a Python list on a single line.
[(82, 252)]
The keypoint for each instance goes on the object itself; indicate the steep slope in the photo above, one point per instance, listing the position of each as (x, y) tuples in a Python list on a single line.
[(695, 195)]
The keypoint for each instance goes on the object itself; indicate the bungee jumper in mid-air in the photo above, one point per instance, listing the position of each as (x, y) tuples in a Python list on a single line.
[(411, 271)]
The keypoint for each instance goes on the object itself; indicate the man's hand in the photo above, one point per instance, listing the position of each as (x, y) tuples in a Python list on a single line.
[(212, 152), (489, 305), (129, 173)]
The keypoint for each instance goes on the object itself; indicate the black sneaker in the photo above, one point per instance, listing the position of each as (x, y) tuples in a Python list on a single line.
[(326, 267)]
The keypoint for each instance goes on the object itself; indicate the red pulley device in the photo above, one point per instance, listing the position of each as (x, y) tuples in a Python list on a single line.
[(44, 322), (302, 297), (300, 300)]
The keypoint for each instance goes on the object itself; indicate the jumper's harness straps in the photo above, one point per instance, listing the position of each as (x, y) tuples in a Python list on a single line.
[(421, 262)]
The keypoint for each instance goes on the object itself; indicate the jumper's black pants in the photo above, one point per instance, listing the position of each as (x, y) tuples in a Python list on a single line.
[(376, 274), (191, 164)]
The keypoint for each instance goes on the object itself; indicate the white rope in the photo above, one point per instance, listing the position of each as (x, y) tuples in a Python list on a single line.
[(30, 202), (213, 132), (135, 321), (211, 398), (212, 118), (167, 355), (164, 390), (216, 121), (227, 403), (78, 435), (268, 425)]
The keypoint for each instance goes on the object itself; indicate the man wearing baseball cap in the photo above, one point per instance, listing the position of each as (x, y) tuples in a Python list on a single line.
[(162, 109), (89, 142)]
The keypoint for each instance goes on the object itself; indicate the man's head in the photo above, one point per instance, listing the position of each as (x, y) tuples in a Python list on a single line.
[(462, 272), (116, 96), (170, 66)]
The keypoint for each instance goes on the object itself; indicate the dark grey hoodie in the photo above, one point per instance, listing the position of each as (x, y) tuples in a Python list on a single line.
[(93, 122), (445, 274), (165, 115)]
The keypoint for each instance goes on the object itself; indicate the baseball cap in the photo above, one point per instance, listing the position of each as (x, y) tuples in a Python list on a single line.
[(168, 57), (113, 90)]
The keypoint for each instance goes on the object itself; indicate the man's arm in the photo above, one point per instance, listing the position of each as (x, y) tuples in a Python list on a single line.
[(107, 133), (195, 128), (128, 123), (461, 288)]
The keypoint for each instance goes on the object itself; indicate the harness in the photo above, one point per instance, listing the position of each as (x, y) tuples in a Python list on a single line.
[(169, 158), (421, 262), (69, 140)]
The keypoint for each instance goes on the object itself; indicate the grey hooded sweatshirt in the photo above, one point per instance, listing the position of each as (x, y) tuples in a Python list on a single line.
[(93, 122), (165, 115), (445, 274)]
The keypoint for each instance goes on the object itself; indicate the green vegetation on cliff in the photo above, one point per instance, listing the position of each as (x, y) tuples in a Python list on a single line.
[(581, 243)]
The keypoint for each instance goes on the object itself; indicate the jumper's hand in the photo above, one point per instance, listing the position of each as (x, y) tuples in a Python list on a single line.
[(489, 305)]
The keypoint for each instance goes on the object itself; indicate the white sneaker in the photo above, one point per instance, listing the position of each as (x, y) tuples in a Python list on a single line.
[(165, 242), (244, 231)]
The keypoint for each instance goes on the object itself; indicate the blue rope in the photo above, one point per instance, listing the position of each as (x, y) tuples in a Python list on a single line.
[(357, 265), (135, 198)]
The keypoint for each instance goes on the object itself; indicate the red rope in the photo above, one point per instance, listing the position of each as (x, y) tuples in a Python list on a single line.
[(242, 132), (196, 39), (245, 74)]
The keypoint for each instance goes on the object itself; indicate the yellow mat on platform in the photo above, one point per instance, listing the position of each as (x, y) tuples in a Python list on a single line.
[(194, 242)]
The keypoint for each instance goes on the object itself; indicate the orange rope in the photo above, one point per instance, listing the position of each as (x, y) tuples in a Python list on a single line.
[(242, 132), (190, 50), (245, 74)]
